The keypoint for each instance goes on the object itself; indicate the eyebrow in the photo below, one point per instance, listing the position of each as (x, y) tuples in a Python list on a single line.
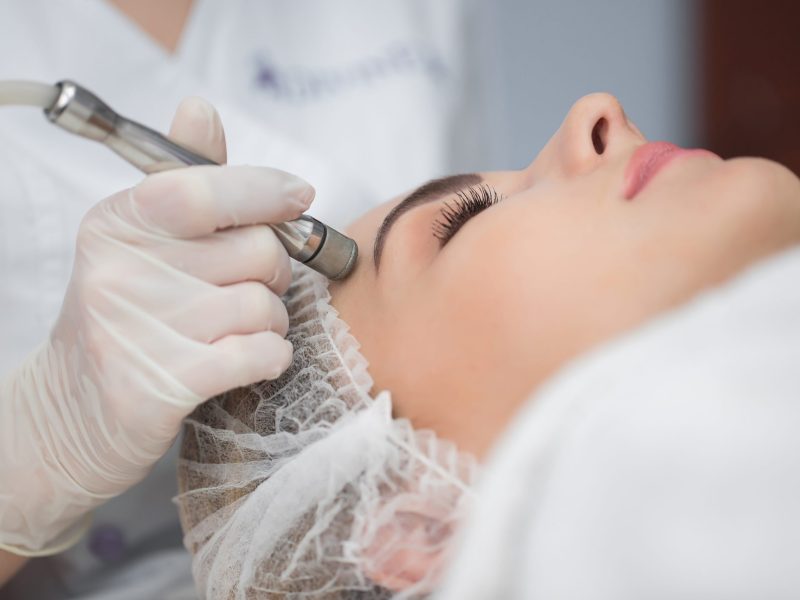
[(426, 193)]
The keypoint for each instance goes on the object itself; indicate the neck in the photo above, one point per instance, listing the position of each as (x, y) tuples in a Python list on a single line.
[(162, 21)]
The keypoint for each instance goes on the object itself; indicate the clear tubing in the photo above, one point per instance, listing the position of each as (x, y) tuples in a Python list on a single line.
[(27, 93)]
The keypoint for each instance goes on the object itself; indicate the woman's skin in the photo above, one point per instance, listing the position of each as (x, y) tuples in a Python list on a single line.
[(162, 21), (462, 334), (9, 565)]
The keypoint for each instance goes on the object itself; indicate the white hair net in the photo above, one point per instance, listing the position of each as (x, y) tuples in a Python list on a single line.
[(306, 486)]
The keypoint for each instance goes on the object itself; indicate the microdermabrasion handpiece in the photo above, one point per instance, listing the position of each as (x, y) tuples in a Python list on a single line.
[(79, 111)]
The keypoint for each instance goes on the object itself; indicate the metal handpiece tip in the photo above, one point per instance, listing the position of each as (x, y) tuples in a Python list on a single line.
[(337, 256)]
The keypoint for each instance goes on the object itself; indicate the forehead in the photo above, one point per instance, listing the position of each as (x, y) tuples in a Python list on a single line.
[(365, 226)]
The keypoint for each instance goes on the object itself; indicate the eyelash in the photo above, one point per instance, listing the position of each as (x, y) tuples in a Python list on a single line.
[(467, 204)]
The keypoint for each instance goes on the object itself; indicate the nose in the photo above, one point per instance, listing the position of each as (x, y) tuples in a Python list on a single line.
[(594, 132)]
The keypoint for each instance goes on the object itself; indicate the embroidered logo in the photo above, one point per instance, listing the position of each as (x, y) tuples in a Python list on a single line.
[(310, 84)]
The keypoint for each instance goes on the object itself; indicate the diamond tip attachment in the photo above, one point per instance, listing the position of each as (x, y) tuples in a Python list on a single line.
[(337, 257)]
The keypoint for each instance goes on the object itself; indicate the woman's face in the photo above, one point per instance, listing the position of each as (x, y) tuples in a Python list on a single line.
[(461, 333)]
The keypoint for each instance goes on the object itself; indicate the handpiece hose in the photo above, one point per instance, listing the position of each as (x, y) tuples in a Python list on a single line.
[(81, 112)]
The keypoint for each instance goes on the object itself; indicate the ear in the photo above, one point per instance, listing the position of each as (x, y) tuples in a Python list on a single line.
[(407, 545)]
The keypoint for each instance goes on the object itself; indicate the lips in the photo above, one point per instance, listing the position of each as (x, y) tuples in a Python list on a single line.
[(649, 160)]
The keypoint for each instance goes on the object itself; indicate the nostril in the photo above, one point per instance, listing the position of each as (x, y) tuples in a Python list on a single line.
[(599, 135)]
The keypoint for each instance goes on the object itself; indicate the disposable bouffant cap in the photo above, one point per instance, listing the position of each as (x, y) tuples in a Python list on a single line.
[(306, 487)]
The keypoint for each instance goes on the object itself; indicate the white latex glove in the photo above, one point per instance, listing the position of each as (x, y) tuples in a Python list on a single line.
[(173, 299)]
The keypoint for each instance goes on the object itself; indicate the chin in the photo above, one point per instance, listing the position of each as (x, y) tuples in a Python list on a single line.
[(762, 176), (762, 192)]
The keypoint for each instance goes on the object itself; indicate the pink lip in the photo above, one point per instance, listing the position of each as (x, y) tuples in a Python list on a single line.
[(649, 160)]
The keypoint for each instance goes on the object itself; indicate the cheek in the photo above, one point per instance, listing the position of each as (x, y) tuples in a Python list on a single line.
[(703, 230), (476, 335)]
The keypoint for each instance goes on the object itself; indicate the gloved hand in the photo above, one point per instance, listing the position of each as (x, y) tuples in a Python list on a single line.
[(173, 299)]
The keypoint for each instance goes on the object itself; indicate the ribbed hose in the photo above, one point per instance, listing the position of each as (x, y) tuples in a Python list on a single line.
[(27, 93)]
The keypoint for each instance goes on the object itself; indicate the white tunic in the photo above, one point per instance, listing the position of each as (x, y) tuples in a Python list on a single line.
[(363, 99)]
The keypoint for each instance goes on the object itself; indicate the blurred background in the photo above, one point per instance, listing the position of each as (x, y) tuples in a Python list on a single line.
[(720, 74)]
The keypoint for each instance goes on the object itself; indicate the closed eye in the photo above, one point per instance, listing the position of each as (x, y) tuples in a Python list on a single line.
[(468, 203), (426, 193)]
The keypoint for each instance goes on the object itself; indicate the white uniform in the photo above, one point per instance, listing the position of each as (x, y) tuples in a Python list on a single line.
[(361, 99)]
